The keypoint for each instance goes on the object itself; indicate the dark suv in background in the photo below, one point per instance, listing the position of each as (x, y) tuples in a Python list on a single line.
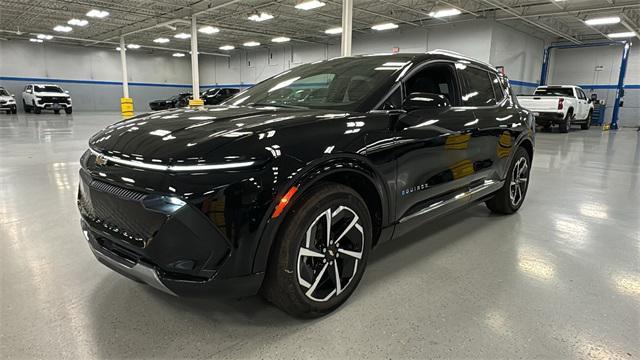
[(215, 96)]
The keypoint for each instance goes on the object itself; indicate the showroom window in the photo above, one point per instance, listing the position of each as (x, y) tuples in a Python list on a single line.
[(479, 89), (435, 79)]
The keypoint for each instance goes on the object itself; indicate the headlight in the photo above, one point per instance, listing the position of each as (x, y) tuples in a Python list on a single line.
[(11, 101)]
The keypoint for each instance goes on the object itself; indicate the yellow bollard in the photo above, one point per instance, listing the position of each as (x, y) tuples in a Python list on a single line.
[(126, 107), (606, 127), (196, 103)]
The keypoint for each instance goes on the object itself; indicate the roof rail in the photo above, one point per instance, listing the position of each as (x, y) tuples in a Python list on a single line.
[(458, 55)]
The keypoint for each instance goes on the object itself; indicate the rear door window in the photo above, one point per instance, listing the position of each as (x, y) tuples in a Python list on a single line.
[(479, 87)]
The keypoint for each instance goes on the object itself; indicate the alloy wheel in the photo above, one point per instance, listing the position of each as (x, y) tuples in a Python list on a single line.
[(330, 255), (519, 179)]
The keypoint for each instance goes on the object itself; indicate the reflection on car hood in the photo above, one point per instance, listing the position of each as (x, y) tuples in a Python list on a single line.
[(6, 97), (192, 136)]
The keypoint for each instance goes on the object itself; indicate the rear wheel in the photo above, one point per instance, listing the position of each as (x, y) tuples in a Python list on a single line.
[(587, 125), (321, 253), (510, 197), (566, 124)]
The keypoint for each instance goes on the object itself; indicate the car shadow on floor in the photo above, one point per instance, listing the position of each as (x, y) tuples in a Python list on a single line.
[(134, 320)]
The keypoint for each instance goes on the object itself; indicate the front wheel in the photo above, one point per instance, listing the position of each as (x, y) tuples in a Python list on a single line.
[(14, 110), (510, 197), (587, 125), (321, 253), (26, 107), (68, 110), (36, 110)]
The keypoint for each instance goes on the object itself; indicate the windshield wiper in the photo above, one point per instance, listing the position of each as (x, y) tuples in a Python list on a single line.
[(277, 105)]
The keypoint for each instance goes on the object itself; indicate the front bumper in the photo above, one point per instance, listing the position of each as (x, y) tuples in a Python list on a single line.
[(4, 107), (173, 247)]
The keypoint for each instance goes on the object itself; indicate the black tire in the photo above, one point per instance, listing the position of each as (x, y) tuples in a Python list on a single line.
[(26, 107), (587, 125), (8, 112), (502, 202), (56, 112), (14, 110), (68, 110), (546, 128), (288, 269), (566, 124), (36, 110)]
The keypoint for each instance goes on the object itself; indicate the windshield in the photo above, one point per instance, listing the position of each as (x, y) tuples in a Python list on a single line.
[(554, 91), (48, 88), (3, 92), (343, 83)]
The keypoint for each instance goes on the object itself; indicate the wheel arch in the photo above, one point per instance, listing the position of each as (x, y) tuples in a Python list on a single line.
[(351, 172)]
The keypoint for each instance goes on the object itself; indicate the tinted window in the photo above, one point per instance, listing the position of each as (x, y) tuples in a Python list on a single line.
[(394, 101), (554, 91), (581, 94), (342, 83), (436, 79), (3, 92), (497, 87), (479, 90), (48, 88)]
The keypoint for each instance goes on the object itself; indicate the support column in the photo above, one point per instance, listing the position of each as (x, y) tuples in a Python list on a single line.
[(126, 103), (195, 71), (347, 27), (620, 87)]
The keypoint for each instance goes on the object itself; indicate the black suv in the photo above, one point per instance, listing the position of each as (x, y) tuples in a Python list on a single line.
[(287, 195), (215, 96), (176, 101)]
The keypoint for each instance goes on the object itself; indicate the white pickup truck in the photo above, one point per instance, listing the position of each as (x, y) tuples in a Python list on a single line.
[(559, 104)]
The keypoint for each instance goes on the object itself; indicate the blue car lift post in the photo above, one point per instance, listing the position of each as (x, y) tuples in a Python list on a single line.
[(623, 70)]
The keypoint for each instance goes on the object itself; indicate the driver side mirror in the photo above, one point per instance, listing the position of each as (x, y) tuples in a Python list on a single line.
[(420, 100)]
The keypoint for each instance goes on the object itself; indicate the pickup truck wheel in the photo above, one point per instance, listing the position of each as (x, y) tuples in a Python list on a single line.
[(26, 107), (8, 112), (36, 110), (566, 124), (321, 252), (510, 197), (68, 110), (56, 112), (587, 125)]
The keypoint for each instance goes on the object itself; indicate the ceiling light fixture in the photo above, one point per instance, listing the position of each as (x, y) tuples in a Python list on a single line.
[(44, 37), (161, 40), (182, 36), (209, 30), (36, 40), (445, 13), (280, 39), (333, 31), (62, 28), (251, 44), (100, 14), (310, 4), (78, 22), (263, 16), (603, 20), (227, 47), (178, 55), (385, 26), (133, 46), (628, 34)]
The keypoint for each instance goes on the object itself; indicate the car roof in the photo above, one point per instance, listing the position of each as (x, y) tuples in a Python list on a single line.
[(437, 54), (45, 85), (558, 86)]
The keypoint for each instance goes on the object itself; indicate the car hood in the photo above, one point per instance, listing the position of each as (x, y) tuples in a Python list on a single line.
[(56, 94), (5, 97), (194, 136)]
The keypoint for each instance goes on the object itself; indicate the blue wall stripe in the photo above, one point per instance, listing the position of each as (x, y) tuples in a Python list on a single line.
[(188, 86), (118, 83)]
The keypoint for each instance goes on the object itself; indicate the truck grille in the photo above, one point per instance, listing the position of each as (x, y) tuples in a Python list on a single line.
[(54, 99)]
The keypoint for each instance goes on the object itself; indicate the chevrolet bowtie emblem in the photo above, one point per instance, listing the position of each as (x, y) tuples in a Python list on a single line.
[(101, 160)]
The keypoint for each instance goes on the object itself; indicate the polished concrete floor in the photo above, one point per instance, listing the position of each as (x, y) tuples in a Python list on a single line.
[(560, 279)]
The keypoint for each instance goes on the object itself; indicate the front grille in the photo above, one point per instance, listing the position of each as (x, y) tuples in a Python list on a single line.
[(120, 211), (54, 99), (117, 191)]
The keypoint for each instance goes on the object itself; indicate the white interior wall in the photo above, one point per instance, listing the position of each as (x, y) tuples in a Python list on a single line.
[(578, 66)]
